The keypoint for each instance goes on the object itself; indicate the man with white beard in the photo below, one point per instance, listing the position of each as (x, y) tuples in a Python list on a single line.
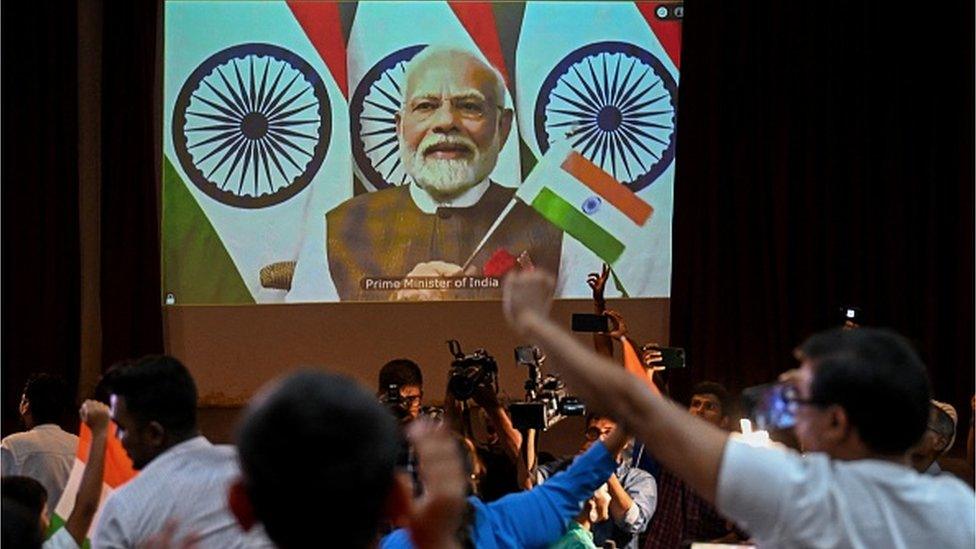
[(411, 242)]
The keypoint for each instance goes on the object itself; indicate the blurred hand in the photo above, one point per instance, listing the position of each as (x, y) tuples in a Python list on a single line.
[(95, 415), (618, 328), (484, 395), (527, 293), (438, 514)]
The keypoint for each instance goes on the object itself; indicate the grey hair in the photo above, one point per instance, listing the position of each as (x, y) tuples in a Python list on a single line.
[(452, 50)]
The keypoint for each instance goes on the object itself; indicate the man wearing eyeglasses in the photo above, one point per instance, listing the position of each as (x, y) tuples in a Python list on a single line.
[(414, 242), (853, 486), (633, 491)]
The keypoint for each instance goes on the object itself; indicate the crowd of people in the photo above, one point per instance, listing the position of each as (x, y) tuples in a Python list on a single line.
[(320, 460)]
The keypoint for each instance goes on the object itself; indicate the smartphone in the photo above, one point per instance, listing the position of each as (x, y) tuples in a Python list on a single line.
[(526, 355), (671, 357), (770, 406), (583, 322)]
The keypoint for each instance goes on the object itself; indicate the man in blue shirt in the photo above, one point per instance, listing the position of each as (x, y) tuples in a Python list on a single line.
[(633, 491), (538, 517)]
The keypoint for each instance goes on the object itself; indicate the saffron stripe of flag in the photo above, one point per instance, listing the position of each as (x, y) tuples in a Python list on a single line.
[(582, 228), (607, 187)]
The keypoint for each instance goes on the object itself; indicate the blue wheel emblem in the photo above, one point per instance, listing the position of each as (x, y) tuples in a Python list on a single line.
[(371, 115), (251, 125), (617, 105), (592, 204)]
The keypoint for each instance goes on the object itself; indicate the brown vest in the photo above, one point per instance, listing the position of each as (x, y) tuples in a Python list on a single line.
[(383, 235)]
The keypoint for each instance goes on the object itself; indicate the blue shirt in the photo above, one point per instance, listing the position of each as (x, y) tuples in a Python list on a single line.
[(534, 518)]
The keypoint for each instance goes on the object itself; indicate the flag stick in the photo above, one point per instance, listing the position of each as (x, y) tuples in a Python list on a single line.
[(491, 231)]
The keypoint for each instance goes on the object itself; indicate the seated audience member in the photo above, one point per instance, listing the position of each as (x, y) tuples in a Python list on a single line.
[(45, 452), (853, 488), (31, 494), (536, 517), (682, 515), (633, 492), (937, 440), (405, 375), (316, 449), (183, 479)]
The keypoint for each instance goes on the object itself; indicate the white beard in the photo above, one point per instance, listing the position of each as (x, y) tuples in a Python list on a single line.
[(445, 179)]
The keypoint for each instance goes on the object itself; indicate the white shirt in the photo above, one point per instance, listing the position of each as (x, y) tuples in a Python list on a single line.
[(187, 485), (45, 453), (787, 500), (428, 205)]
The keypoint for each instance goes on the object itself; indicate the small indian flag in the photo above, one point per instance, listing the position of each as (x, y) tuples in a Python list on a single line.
[(586, 202), (118, 471)]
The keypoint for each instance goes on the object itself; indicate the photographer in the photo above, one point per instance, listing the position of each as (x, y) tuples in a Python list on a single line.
[(474, 377), (852, 489), (401, 388)]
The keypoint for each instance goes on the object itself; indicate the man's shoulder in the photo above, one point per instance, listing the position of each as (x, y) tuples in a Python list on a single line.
[(29, 440)]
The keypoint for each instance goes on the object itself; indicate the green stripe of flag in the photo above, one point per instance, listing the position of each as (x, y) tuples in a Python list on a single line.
[(196, 265), (577, 224)]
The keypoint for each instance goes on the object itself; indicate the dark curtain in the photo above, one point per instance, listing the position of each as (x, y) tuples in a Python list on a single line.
[(825, 157), (131, 99), (39, 139)]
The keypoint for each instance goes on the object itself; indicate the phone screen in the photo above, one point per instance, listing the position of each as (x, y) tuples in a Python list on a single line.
[(583, 322)]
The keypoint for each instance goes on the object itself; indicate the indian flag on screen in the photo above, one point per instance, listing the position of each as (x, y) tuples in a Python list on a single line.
[(118, 471), (603, 77), (587, 203), (255, 145)]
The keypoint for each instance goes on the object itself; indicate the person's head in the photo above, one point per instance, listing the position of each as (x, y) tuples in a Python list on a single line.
[(154, 404), (938, 437), (597, 428), (28, 493), (453, 121), (711, 402), (44, 400), (406, 375), (20, 526), (860, 393), (317, 447)]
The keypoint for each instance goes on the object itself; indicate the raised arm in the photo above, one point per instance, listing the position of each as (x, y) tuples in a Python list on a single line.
[(602, 342), (96, 416), (688, 446)]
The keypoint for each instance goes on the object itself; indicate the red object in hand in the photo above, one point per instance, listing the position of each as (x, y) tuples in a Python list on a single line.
[(499, 263)]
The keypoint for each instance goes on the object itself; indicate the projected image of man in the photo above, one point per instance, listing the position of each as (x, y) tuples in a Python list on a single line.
[(415, 242)]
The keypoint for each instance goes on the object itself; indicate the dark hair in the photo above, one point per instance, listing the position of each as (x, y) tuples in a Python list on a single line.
[(400, 372), (26, 491), (868, 370), (318, 446), (158, 388), (48, 398), (20, 527), (717, 389)]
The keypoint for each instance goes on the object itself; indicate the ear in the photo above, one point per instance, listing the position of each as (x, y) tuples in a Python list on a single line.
[(155, 433), (399, 501), (838, 428), (504, 126), (240, 505)]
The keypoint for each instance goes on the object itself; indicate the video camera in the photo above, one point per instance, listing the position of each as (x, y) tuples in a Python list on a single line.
[(546, 400), (470, 371), (395, 403)]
